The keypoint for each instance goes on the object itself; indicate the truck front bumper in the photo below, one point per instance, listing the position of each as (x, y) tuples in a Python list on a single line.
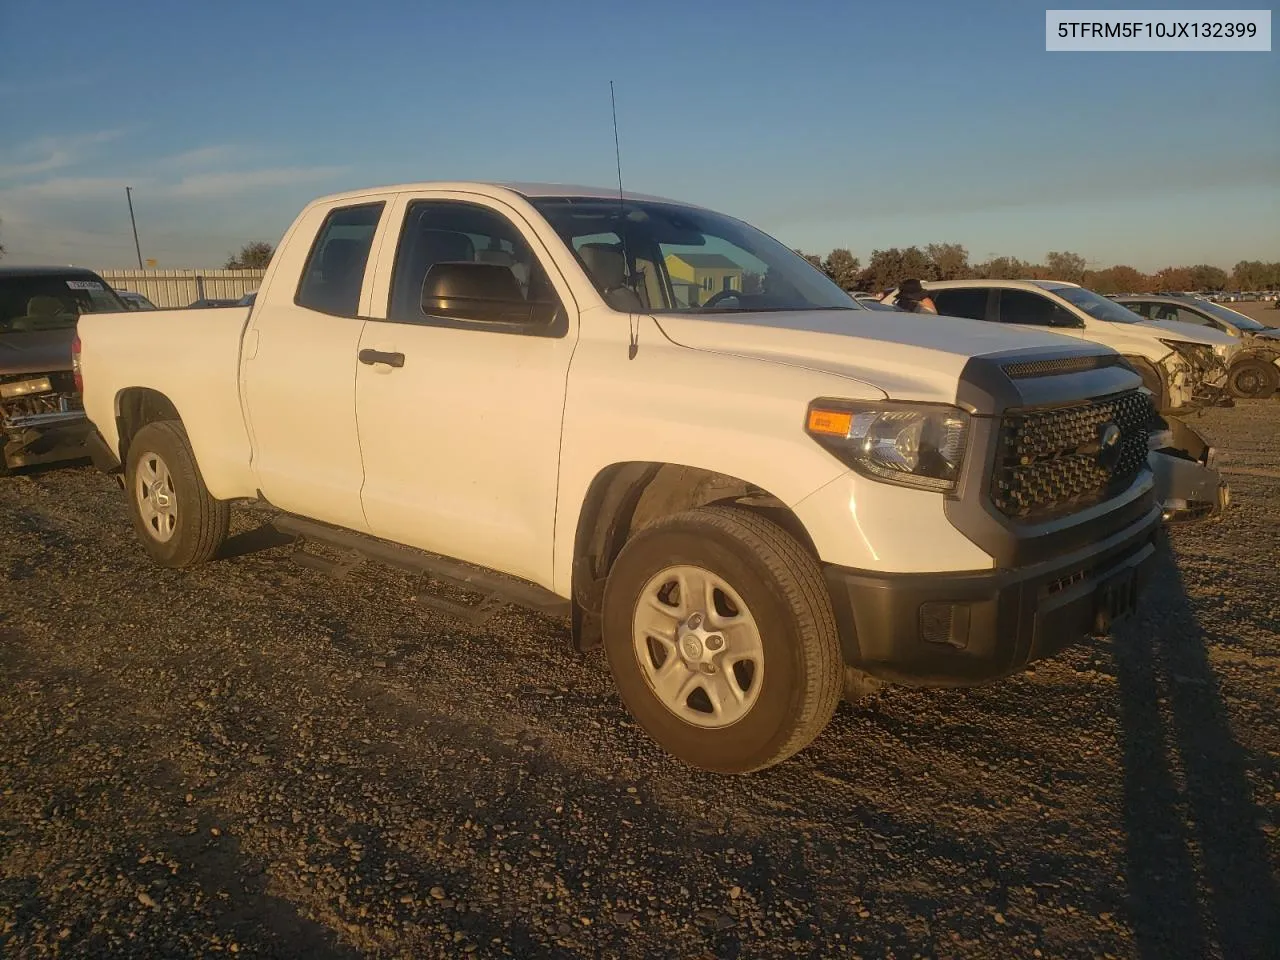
[(964, 629), (1187, 484)]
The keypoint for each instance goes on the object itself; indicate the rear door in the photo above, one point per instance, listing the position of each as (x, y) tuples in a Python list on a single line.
[(299, 362), (461, 394)]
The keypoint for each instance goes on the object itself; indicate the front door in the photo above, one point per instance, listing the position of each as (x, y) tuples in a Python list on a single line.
[(461, 393)]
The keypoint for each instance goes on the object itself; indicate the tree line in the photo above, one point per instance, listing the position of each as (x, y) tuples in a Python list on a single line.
[(254, 255), (950, 261)]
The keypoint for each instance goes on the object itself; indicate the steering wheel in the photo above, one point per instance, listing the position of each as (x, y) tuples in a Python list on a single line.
[(720, 295)]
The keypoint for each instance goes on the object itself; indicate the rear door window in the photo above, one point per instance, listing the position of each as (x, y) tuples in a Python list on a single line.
[(334, 273), (1033, 309), (968, 302)]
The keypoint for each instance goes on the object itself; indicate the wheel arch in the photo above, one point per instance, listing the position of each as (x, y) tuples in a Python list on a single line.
[(1153, 377), (135, 407), (623, 498)]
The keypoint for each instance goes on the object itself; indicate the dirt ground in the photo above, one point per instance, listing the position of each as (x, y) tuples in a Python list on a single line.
[(252, 759), (1262, 311)]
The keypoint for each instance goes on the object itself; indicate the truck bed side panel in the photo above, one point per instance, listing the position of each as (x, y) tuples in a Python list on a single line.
[(190, 356)]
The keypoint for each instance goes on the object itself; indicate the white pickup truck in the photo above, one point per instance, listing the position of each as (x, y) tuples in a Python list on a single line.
[(656, 421)]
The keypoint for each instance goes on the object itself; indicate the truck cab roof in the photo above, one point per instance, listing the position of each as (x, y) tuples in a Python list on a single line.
[(495, 189)]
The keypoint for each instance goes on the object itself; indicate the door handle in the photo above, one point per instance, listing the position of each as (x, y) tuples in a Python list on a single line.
[(377, 356)]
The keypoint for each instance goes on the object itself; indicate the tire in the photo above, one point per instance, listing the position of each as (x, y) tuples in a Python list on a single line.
[(758, 578), (1252, 379), (178, 522)]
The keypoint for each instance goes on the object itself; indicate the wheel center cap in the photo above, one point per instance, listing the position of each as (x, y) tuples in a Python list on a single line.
[(691, 647), (159, 497)]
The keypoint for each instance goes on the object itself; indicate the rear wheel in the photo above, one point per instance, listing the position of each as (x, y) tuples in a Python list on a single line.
[(1253, 379), (179, 522), (720, 637)]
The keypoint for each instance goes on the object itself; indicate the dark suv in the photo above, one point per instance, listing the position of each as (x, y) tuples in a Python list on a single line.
[(41, 416)]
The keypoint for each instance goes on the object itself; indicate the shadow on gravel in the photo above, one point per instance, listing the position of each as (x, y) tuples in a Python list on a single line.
[(1175, 720), (55, 466), (268, 925)]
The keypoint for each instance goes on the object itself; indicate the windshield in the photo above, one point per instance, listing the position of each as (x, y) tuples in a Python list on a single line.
[(668, 258), (1227, 315), (52, 302), (1096, 305)]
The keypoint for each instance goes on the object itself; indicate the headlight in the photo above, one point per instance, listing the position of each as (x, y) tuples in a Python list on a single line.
[(24, 388), (910, 444)]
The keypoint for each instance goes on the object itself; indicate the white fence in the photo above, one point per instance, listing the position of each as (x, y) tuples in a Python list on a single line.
[(181, 288)]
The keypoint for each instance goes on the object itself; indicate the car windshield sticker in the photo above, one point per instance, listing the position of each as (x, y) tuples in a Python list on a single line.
[(84, 285)]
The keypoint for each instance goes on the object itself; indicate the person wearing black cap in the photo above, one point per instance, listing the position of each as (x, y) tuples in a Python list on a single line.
[(914, 298)]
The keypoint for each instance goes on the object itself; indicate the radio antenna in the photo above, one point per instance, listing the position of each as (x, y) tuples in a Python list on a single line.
[(617, 149), (634, 346)]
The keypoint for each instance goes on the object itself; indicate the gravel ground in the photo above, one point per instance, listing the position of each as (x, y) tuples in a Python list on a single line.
[(253, 759)]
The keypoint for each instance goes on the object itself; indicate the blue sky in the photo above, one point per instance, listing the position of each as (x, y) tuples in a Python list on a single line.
[(827, 124)]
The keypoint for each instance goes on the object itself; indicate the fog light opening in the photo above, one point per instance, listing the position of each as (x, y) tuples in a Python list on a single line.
[(945, 622)]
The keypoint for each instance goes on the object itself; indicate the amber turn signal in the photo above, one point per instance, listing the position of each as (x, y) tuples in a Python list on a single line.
[(830, 423)]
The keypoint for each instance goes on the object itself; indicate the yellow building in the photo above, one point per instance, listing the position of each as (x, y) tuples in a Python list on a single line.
[(698, 276)]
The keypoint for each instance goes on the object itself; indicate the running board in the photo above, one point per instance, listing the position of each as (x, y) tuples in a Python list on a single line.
[(497, 589)]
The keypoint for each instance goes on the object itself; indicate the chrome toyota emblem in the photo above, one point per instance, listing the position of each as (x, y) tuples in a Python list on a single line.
[(1109, 448)]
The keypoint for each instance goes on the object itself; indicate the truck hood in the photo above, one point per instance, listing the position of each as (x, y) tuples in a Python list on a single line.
[(903, 356), (39, 351)]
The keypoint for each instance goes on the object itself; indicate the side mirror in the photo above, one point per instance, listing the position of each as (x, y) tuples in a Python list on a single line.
[(481, 292)]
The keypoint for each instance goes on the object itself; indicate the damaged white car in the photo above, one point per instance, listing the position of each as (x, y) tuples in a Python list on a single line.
[(1183, 365)]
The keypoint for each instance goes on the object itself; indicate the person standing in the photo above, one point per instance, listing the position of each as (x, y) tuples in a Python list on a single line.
[(914, 298)]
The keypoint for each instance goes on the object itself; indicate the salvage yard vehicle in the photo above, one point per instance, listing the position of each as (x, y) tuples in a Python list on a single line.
[(41, 416), (1183, 365), (754, 504), (1254, 373), (135, 301)]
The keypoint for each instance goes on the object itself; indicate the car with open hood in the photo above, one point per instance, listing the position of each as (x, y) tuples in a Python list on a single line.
[(1254, 373), (1183, 365)]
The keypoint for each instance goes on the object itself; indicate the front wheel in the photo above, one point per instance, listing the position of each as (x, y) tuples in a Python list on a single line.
[(1253, 380), (721, 640), (179, 523)]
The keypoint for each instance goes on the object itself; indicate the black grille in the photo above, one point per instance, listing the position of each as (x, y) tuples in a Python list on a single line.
[(1053, 461), (1049, 368)]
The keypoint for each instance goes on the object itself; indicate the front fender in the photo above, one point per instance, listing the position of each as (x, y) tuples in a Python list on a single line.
[(675, 405)]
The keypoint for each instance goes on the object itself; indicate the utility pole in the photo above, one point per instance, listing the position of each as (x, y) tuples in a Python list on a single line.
[(128, 192)]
